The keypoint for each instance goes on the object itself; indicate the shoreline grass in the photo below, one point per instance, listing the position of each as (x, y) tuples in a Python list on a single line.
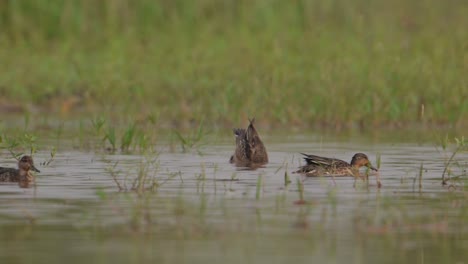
[(332, 63)]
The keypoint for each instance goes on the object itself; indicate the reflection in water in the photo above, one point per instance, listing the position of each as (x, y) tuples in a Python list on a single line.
[(248, 166), (204, 209), (25, 184)]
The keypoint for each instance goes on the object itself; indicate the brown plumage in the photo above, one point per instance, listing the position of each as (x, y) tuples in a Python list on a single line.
[(250, 150), (22, 174), (319, 166)]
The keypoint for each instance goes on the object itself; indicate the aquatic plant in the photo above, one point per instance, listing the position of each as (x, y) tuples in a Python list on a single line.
[(300, 189), (460, 145), (20, 142), (201, 177), (114, 174), (378, 160), (419, 178), (98, 124), (145, 176), (29, 141), (259, 186), (377, 173), (192, 140), (287, 180), (111, 138), (134, 136), (47, 162), (127, 138), (143, 143)]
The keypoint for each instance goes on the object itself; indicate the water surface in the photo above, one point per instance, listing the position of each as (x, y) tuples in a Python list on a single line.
[(203, 209)]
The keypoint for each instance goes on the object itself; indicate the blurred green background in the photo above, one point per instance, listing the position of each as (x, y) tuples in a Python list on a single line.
[(329, 63)]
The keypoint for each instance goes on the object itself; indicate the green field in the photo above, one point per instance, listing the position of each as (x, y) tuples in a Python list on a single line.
[(331, 63), (127, 107)]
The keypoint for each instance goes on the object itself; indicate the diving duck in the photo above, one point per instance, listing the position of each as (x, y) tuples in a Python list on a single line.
[(250, 150)]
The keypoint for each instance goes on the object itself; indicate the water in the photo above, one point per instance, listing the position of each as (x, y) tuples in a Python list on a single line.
[(204, 209)]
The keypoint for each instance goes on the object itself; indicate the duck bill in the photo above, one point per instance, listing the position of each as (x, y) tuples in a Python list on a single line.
[(34, 168), (372, 168)]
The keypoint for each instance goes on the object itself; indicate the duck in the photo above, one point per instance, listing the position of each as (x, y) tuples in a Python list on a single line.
[(22, 174), (323, 166), (250, 150)]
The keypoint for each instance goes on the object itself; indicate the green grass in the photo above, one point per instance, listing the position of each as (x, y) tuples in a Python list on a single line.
[(193, 141), (331, 63)]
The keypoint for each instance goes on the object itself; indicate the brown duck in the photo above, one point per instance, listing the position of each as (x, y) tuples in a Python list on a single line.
[(22, 174), (250, 150), (320, 166)]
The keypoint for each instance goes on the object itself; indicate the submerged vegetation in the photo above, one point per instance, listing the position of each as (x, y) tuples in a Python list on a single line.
[(332, 63)]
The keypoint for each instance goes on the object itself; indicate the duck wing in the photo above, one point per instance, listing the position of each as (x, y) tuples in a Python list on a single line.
[(324, 161), (241, 151), (8, 175)]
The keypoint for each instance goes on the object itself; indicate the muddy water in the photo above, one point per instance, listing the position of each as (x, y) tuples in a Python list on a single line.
[(204, 209)]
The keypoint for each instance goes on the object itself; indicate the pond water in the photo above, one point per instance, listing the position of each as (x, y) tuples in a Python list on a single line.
[(196, 207)]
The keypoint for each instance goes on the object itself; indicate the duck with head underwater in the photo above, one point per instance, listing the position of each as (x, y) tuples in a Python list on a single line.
[(250, 150)]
